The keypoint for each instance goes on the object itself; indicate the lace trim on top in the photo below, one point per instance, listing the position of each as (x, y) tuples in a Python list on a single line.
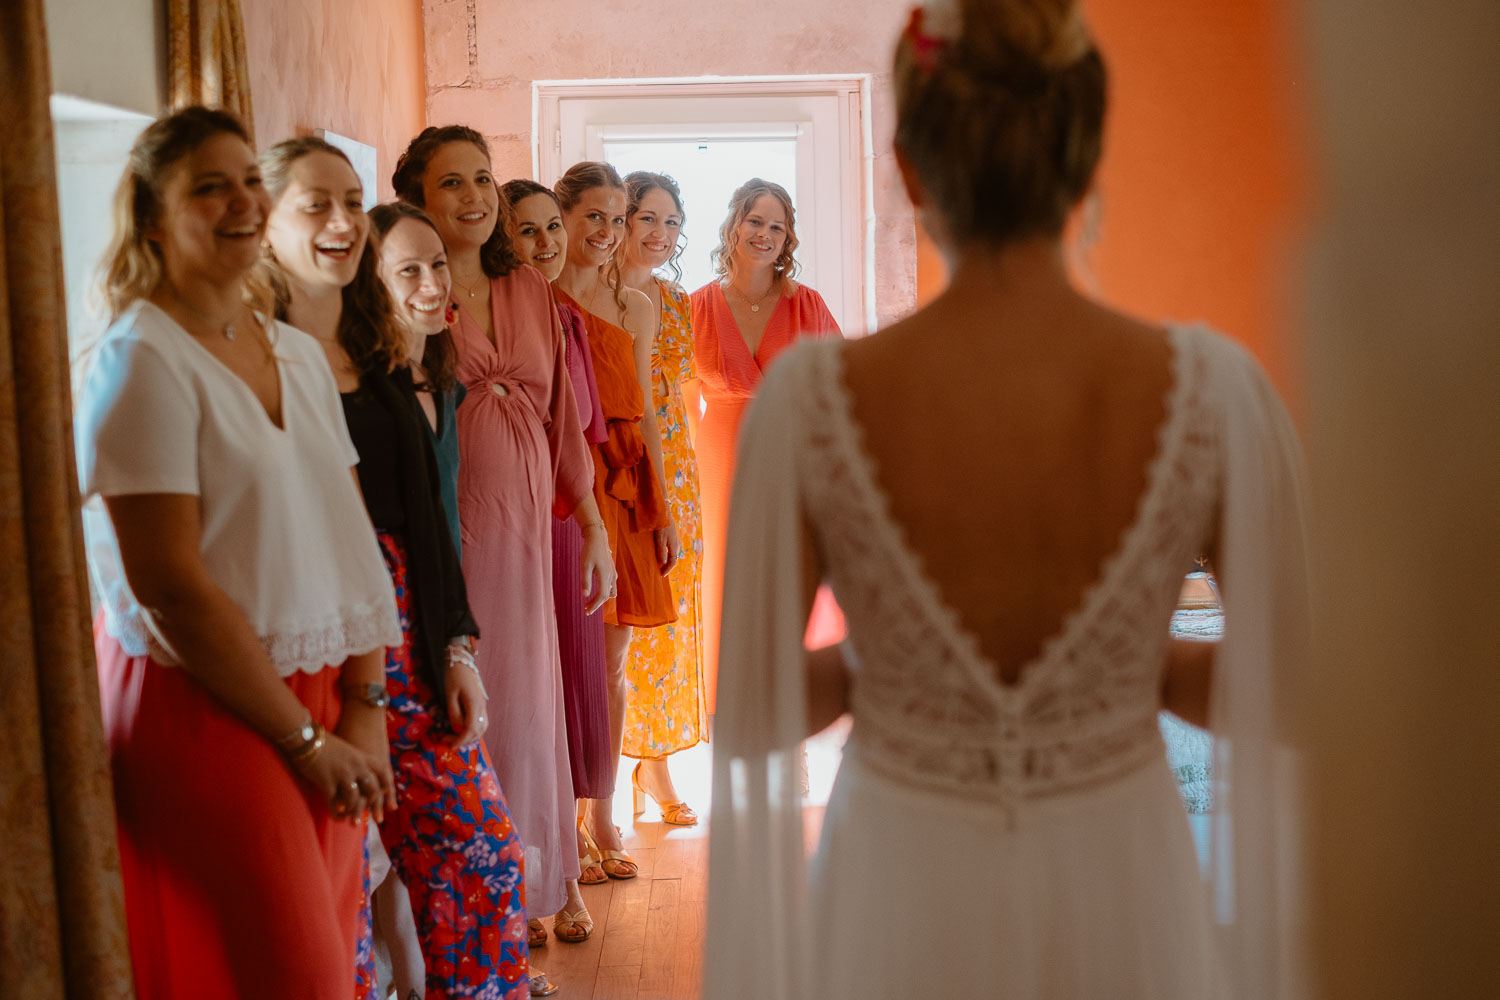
[(928, 707), (306, 647)]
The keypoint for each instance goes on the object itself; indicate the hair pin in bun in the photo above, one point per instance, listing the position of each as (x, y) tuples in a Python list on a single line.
[(932, 27)]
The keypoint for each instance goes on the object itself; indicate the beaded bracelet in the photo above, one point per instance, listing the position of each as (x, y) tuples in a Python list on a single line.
[(459, 656)]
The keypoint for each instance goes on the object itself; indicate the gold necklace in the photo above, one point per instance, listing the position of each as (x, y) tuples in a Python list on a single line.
[(227, 330), (460, 284), (755, 306)]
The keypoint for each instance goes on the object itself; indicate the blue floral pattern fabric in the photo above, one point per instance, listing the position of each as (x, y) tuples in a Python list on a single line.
[(450, 838)]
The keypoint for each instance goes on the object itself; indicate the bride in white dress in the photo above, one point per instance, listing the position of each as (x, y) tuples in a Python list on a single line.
[(1002, 491)]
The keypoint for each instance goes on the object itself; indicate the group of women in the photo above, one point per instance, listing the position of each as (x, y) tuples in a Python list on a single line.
[(456, 639), (399, 515)]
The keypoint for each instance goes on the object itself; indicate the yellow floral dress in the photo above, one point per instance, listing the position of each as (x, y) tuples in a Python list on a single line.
[(664, 707)]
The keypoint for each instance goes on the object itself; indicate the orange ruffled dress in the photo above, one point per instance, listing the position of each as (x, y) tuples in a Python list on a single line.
[(625, 485)]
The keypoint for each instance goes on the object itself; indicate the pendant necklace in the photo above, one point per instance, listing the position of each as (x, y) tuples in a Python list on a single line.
[(755, 306), (460, 284), (227, 330)]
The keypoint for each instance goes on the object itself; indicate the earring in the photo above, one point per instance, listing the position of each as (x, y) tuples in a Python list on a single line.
[(450, 314)]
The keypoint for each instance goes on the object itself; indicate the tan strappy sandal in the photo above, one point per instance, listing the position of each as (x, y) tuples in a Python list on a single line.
[(574, 927), (589, 870)]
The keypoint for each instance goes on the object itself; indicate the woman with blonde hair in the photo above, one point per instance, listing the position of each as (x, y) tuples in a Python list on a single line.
[(664, 706), (741, 323), (1009, 560), (244, 605), (628, 482)]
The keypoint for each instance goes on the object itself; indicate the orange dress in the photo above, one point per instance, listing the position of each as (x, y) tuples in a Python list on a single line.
[(625, 485), (730, 375)]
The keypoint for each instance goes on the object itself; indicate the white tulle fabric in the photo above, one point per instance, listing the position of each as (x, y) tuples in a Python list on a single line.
[(1025, 840)]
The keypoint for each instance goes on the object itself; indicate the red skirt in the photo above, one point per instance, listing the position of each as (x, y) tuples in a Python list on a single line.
[(238, 881)]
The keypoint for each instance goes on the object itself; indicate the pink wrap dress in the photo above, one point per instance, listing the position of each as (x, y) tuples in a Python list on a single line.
[(523, 457)]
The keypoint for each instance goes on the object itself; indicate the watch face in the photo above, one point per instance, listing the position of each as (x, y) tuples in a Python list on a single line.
[(308, 733)]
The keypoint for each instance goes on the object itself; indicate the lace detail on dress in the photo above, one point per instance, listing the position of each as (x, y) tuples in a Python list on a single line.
[(928, 707), (306, 647)]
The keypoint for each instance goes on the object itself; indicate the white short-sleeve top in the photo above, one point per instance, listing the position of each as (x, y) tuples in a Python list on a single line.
[(284, 531)]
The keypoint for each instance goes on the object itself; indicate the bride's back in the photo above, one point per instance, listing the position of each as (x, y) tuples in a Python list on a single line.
[(1011, 433), (1012, 422)]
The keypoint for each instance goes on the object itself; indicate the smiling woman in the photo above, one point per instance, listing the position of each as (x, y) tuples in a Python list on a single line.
[(464, 890), (241, 592), (524, 458), (740, 324)]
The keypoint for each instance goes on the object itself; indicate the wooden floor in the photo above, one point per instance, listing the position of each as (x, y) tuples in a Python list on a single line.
[(648, 931)]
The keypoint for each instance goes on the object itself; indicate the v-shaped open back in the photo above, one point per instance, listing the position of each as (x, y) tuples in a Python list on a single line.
[(928, 704)]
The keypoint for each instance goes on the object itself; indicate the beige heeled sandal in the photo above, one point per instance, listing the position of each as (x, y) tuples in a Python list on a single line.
[(676, 813)]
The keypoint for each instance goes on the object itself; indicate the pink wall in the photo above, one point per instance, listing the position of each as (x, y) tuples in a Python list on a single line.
[(355, 69), (480, 70)]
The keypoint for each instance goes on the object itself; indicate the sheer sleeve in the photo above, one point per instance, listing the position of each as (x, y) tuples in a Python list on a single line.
[(1254, 826), (756, 939)]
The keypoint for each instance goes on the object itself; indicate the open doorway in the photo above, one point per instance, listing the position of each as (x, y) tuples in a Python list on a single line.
[(809, 134), (708, 170)]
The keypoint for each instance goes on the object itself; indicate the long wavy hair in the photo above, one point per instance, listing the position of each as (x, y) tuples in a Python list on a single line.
[(368, 329), (132, 266), (498, 256), (571, 186), (439, 354), (640, 183), (785, 266)]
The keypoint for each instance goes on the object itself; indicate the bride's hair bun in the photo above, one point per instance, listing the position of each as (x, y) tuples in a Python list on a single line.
[(1000, 109)]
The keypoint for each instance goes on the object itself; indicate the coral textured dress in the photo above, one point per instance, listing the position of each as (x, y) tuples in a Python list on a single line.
[(625, 485), (523, 457), (664, 704), (730, 376)]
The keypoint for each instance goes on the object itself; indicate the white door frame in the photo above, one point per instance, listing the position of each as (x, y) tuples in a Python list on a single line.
[(853, 258)]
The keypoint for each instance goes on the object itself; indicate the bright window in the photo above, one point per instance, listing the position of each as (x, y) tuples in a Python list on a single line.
[(810, 135)]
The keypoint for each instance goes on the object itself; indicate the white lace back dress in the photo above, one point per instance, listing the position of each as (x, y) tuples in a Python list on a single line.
[(982, 839)]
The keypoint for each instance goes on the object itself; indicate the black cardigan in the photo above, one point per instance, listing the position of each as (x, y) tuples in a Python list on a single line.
[(433, 569)]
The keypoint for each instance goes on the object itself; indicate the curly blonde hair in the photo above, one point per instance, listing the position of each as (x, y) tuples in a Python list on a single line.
[(785, 267)]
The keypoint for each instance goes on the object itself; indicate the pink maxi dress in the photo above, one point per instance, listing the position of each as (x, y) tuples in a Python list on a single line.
[(523, 457)]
